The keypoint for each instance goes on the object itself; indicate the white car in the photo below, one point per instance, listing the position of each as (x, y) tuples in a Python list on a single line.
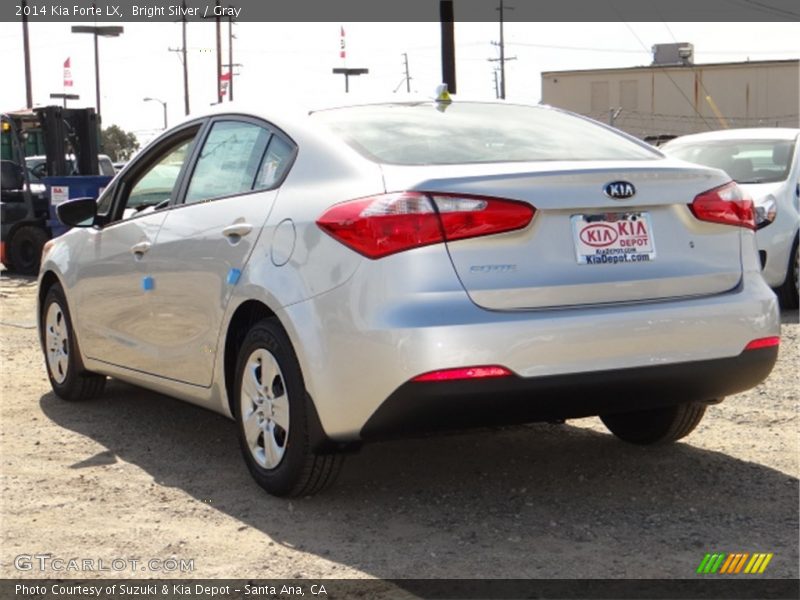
[(765, 162), (344, 275)]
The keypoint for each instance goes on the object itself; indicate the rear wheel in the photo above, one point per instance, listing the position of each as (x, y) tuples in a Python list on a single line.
[(655, 426), (788, 292), (272, 416), (25, 249), (67, 376)]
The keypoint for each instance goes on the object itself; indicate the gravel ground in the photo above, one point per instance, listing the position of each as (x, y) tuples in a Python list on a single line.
[(137, 475)]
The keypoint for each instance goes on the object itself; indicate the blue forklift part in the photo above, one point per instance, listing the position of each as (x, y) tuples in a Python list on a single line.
[(76, 186)]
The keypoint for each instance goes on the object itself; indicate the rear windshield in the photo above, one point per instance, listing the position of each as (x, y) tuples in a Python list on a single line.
[(746, 161), (419, 134)]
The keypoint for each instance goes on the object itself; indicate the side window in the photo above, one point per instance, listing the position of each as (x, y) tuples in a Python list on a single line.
[(276, 161), (155, 185), (229, 161)]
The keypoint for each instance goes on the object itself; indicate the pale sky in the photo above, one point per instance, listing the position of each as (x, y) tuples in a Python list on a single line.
[(297, 58)]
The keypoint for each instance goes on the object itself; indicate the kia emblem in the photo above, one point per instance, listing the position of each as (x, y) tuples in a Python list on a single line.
[(619, 190)]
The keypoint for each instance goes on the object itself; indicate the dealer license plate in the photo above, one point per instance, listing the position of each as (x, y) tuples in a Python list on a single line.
[(613, 238)]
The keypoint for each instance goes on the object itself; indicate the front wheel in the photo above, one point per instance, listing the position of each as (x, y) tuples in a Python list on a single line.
[(67, 377), (271, 412), (655, 426)]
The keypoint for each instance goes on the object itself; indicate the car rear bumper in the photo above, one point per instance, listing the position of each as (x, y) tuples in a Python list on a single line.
[(417, 407), (360, 343)]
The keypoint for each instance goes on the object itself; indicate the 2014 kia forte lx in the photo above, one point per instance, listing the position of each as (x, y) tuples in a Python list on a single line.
[(336, 276)]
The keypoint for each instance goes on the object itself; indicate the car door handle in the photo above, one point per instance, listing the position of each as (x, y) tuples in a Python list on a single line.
[(139, 249), (237, 231)]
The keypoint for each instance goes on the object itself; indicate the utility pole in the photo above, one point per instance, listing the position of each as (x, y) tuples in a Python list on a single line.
[(502, 46), (496, 85), (185, 64), (27, 52), (230, 56), (219, 54), (407, 78), (408, 75), (184, 61)]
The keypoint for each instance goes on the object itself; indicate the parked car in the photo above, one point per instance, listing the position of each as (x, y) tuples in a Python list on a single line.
[(337, 276), (765, 162), (37, 165)]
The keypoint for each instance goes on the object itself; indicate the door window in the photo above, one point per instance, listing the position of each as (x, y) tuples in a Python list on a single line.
[(275, 164), (155, 186), (230, 159)]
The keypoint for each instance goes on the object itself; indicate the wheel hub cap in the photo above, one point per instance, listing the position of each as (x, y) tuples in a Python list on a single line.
[(265, 409), (56, 341)]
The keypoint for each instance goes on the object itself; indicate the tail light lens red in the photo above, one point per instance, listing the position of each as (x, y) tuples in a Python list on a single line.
[(726, 204), (482, 372), (382, 225), (767, 342)]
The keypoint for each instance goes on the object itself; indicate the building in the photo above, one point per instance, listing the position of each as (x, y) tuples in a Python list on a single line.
[(674, 97)]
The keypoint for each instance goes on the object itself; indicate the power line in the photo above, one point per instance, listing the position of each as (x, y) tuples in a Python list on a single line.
[(666, 72)]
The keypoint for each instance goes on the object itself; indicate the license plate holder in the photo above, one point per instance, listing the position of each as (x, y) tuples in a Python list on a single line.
[(613, 238)]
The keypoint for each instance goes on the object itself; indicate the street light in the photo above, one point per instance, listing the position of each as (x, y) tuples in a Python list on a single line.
[(164, 104), (106, 31)]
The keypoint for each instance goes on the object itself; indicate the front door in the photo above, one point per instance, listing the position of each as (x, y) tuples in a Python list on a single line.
[(113, 283)]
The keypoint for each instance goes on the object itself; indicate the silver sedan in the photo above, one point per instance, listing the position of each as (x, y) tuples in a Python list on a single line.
[(335, 276)]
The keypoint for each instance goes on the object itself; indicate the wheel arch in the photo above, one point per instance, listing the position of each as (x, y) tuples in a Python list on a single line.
[(247, 314)]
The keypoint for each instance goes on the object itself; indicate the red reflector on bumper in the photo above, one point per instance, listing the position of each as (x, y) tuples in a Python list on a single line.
[(482, 372), (767, 342)]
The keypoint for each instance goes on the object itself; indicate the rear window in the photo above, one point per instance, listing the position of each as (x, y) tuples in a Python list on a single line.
[(746, 161), (419, 134)]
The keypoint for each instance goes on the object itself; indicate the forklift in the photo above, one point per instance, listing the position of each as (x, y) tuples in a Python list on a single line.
[(70, 140)]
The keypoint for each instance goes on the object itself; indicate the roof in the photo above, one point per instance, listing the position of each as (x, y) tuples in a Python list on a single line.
[(749, 63), (754, 133)]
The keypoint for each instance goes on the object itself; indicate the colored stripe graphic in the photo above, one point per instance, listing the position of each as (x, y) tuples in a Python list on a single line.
[(703, 563), (733, 563)]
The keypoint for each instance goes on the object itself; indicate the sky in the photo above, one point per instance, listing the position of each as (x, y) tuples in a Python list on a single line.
[(295, 60)]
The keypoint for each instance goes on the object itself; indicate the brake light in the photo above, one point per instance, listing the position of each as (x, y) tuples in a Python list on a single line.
[(767, 342), (726, 204), (382, 225), (483, 372)]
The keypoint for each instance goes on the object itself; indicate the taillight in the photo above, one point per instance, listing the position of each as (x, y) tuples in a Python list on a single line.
[(483, 372), (767, 342), (382, 225), (726, 204)]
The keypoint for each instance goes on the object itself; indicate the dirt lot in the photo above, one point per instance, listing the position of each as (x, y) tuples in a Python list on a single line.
[(136, 475)]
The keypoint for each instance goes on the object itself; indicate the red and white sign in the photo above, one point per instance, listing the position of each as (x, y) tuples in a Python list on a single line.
[(613, 238), (67, 73), (224, 82), (59, 194), (342, 49)]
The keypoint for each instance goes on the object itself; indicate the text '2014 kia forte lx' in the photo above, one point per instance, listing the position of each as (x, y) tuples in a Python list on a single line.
[(335, 276)]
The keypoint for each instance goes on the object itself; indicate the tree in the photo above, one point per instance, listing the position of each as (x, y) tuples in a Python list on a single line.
[(118, 144)]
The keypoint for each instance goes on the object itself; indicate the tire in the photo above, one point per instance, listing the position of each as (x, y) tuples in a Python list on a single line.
[(655, 426), (271, 409), (788, 293), (25, 249), (69, 380)]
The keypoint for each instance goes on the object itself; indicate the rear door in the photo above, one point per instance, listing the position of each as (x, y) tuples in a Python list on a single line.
[(207, 238), (603, 232)]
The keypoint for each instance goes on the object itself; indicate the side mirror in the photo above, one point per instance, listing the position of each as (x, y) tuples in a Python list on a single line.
[(11, 175), (80, 212)]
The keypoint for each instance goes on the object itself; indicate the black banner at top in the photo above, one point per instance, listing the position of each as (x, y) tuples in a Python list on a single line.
[(121, 11)]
